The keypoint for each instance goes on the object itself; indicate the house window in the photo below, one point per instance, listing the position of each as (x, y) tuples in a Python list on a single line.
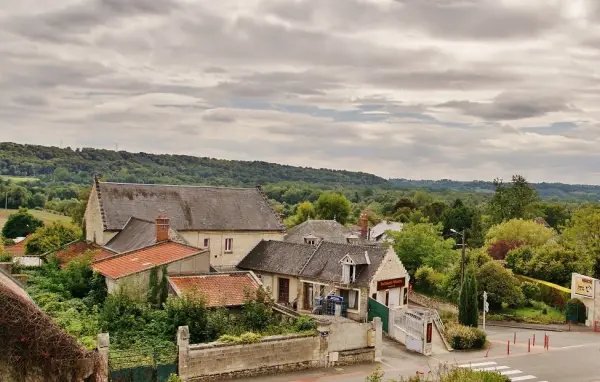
[(352, 240), (348, 273), (206, 243), (283, 294), (310, 241), (229, 245), (351, 297)]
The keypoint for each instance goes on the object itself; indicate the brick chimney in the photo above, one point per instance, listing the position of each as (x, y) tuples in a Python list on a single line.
[(364, 225), (162, 228)]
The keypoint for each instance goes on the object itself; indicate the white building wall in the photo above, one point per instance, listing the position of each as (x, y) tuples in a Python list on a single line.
[(592, 304), (243, 242), (94, 228), (391, 268)]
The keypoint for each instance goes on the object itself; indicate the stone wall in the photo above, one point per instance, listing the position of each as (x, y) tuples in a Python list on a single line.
[(219, 361)]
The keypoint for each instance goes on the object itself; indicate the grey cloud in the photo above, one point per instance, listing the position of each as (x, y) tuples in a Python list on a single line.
[(218, 117), (30, 100), (510, 106), (466, 19)]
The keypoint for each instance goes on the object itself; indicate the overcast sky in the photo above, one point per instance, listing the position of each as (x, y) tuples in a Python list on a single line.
[(424, 89)]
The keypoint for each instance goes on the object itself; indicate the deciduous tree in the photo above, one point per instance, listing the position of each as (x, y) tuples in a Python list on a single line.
[(333, 206), (20, 224), (511, 201)]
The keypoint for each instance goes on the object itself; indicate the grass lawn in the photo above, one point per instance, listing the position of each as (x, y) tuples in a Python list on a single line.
[(46, 217), (18, 179)]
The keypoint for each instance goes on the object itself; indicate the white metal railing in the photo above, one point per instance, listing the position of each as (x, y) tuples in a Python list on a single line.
[(411, 323)]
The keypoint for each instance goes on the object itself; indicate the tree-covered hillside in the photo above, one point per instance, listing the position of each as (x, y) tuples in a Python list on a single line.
[(78, 166), (547, 191)]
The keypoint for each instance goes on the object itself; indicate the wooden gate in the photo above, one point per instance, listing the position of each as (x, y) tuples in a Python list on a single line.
[(377, 309)]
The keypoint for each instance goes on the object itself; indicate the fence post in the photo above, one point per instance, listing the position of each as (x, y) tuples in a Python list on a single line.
[(548, 343), (529, 345), (103, 344), (507, 347), (183, 347), (515, 339), (534, 339)]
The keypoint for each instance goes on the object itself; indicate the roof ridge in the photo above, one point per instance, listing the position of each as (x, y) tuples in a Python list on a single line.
[(364, 246), (122, 254), (277, 216), (178, 185), (310, 257), (99, 196)]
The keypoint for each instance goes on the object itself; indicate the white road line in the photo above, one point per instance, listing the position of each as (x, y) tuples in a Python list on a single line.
[(478, 364), (493, 368), (511, 372), (523, 378)]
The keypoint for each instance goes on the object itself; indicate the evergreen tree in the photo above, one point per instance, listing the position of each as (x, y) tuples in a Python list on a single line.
[(468, 313)]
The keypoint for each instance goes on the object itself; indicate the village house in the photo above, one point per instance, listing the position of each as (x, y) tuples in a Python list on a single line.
[(303, 275), (314, 231), (379, 234), (228, 222)]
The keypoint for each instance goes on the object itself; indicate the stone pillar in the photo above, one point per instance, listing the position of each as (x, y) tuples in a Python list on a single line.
[(183, 345), (378, 327), (103, 345), (323, 327)]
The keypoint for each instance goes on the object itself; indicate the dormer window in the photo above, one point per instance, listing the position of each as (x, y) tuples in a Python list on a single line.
[(311, 240), (348, 270), (352, 239)]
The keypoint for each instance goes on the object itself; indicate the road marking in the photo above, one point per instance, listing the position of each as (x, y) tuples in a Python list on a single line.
[(478, 364), (511, 372), (523, 378), (493, 368)]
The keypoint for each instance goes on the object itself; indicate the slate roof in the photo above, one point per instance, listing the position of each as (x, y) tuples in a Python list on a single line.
[(380, 228), (139, 233), (228, 289), (328, 230), (144, 259), (188, 207), (323, 262), (277, 257)]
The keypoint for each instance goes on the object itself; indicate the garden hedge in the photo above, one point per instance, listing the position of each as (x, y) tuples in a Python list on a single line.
[(552, 294)]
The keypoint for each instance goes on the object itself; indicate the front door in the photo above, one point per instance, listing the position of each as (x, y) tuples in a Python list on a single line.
[(283, 295), (309, 296)]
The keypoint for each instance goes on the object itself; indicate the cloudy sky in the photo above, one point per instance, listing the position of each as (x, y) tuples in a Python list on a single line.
[(425, 89)]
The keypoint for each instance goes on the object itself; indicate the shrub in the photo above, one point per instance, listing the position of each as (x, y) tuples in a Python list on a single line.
[(51, 237), (174, 378), (500, 285), (500, 249), (246, 338), (304, 323), (6, 258), (20, 224), (552, 294), (429, 280), (464, 337), (531, 291), (257, 313)]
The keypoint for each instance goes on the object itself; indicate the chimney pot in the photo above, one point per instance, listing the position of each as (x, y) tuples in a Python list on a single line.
[(364, 226), (162, 228)]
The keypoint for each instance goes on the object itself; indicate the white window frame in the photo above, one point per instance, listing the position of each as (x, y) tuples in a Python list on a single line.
[(229, 248)]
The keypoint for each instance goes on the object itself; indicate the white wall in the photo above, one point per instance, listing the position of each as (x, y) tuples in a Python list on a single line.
[(271, 282), (391, 268), (243, 242), (592, 305), (93, 219)]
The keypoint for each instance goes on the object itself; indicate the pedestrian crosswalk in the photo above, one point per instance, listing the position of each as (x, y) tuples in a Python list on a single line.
[(512, 374)]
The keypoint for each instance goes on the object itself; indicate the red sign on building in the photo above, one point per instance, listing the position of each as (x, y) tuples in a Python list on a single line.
[(392, 283), (429, 332)]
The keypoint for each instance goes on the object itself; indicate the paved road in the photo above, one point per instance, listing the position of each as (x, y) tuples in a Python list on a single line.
[(572, 357)]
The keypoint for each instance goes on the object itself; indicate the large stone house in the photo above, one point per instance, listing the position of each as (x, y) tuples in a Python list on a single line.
[(298, 274), (315, 231), (228, 222)]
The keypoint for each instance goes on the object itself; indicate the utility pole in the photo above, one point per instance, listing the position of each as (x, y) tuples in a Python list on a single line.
[(6, 201), (486, 308)]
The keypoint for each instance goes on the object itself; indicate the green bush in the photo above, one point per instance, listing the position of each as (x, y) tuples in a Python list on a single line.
[(428, 280), (305, 323), (552, 294), (468, 312), (531, 291), (246, 338), (6, 258), (464, 337), (174, 378), (501, 286)]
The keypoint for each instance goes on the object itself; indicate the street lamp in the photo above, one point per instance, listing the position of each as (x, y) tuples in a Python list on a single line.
[(462, 263)]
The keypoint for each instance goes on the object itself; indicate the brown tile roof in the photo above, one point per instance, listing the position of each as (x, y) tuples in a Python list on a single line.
[(188, 207), (17, 249), (143, 259), (139, 233), (74, 249), (217, 289)]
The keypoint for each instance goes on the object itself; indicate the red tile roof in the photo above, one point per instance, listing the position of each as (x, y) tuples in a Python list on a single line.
[(217, 289), (73, 250), (17, 249), (143, 259)]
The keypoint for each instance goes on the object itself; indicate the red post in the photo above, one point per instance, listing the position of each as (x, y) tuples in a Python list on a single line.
[(533, 339), (507, 347), (515, 339), (488, 350), (595, 326), (548, 343), (529, 345), (569, 325)]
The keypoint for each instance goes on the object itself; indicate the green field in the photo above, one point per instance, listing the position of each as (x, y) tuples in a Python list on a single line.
[(47, 217), (18, 179)]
